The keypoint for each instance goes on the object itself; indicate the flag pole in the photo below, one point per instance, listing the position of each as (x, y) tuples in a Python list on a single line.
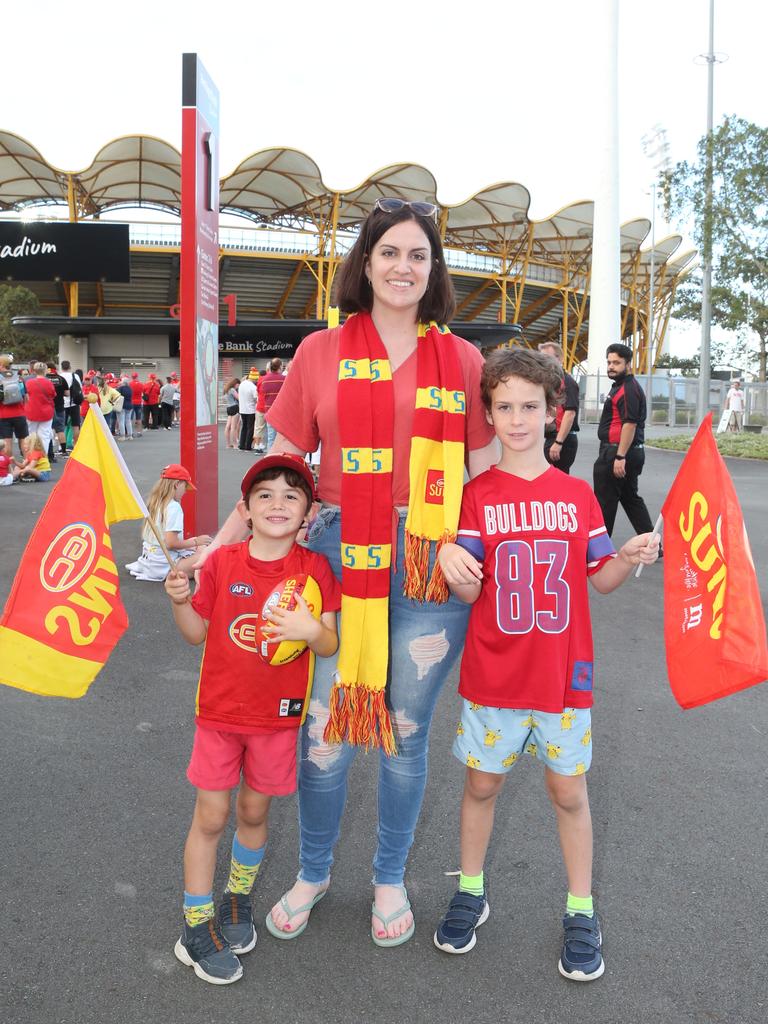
[(654, 535), (94, 408)]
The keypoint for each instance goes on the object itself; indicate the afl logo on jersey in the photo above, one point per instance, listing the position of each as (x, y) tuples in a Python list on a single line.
[(241, 589), (244, 632)]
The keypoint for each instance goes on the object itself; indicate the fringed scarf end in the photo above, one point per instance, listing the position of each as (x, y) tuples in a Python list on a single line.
[(361, 717), (419, 584)]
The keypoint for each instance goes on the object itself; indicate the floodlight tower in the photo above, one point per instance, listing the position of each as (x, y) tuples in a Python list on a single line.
[(656, 147)]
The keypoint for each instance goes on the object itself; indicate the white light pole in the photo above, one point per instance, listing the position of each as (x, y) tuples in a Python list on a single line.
[(656, 148)]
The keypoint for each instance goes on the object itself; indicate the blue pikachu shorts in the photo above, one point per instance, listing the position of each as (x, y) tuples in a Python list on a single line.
[(492, 739)]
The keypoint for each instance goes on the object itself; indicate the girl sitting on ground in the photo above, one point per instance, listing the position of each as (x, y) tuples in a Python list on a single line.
[(164, 504), (35, 465)]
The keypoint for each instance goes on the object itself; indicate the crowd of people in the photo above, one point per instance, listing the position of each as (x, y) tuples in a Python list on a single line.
[(43, 405), (247, 402)]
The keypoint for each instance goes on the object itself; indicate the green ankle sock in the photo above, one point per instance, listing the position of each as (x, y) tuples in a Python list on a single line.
[(471, 883), (579, 905)]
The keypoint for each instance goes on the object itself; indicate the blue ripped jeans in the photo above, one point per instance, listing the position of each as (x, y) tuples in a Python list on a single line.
[(425, 641)]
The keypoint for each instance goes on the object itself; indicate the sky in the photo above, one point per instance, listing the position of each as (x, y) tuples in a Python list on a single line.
[(477, 93)]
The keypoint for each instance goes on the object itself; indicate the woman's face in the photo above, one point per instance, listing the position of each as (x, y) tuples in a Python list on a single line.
[(399, 266)]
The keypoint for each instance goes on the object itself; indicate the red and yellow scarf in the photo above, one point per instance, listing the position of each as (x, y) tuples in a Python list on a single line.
[(358, 710)]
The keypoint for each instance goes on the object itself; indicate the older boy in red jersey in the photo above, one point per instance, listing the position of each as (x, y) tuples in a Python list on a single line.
[(248, 711), (529, 537)]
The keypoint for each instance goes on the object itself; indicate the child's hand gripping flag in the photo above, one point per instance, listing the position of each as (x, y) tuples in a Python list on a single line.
[(64, 614), (714, 630)]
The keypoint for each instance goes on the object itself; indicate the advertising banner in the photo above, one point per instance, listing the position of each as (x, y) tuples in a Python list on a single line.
[(199, 327), (40, 251)]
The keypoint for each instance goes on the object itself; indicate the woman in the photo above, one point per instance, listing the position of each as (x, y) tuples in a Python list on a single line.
[(109, 400), (395, 414), (39, 404), (232, 428)]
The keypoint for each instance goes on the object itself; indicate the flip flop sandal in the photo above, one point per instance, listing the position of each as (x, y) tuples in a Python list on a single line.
[(386, 921), (278, 932)]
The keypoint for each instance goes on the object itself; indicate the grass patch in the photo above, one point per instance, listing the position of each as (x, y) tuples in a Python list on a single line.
[(745, 446)]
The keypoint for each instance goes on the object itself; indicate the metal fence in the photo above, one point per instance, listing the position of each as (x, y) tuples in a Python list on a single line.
[(672, 400)]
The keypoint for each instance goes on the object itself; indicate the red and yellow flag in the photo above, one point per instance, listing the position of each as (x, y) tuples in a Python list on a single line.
[(714, 629), (64, 614)]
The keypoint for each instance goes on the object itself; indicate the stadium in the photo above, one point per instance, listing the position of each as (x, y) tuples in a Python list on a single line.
[(283, 233)]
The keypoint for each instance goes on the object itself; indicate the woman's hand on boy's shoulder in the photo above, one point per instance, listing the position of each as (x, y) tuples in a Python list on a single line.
[(459, 566)]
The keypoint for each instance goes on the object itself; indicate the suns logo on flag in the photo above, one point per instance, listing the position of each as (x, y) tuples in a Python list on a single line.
[(243, 632), (68, 557), (433, 493), (241, 590)]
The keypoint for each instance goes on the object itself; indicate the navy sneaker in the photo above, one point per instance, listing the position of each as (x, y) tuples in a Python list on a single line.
[(236, 921), (582, 956), (456, 931), (205, 948)]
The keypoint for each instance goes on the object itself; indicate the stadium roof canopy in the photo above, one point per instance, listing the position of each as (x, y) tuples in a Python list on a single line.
[(505, 267)]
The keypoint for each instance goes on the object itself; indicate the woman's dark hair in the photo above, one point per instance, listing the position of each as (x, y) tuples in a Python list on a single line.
[(351, 289), (231, 384), (534, 367)]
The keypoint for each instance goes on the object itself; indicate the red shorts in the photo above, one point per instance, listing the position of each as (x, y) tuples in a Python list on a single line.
[(267, 760)]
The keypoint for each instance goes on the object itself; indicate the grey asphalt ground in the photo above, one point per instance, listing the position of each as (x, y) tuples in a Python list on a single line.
[(95, 808)]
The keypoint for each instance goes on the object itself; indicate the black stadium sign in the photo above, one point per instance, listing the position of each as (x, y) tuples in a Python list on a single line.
[(59, 251)]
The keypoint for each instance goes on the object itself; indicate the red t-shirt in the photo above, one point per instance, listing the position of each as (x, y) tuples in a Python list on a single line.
[(152, 390), (529, 641), (238, 691), (40, 395), (269, 388), (5, 464), (137, 390), (305, 411)]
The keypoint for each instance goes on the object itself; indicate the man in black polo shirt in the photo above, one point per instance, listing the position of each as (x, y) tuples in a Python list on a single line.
[(622, 454), (560, 440)]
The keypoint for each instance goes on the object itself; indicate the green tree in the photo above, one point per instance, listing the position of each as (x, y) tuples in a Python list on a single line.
[(739, 231), (15, 300)]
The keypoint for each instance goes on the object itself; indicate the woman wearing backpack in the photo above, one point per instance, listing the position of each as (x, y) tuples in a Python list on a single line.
[(13, 419)]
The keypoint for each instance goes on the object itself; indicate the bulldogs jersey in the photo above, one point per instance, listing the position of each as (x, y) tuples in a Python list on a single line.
[(238, 691), (529, 643)]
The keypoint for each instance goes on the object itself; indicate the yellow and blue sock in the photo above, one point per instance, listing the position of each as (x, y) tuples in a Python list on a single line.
[(472, 884), (579, 905), (198, 908), (244, 867)]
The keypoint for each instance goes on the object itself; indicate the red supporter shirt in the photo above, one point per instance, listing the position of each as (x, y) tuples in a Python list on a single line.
[(137, 390), (152, 390), (238, 691), (305, 411), (40, 395), (269, 388), (529, 641)]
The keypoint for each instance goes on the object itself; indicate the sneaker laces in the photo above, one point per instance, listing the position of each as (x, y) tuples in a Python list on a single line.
[(206, 939)]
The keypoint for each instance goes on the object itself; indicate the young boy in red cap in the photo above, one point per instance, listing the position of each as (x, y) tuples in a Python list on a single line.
[(248, 709)]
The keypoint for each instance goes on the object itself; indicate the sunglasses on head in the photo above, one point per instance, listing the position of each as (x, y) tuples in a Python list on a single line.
[(393, 205)]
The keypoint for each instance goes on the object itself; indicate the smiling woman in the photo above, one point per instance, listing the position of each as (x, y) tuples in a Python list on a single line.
[(394, 398)]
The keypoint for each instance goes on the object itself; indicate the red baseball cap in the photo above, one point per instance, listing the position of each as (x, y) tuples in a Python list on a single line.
[(283, 460), (177, 472), (134, 375)]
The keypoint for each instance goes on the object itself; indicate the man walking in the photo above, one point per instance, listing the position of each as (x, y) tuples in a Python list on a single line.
[(269, 388), (622, 452), (734, 401), (560, 440), (247, 395)]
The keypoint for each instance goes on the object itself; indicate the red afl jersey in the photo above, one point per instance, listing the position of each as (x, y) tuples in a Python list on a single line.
[(238, 691), (529, 642)]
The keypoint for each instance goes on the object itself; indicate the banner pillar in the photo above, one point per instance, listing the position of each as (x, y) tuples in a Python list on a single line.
[(199, 291)]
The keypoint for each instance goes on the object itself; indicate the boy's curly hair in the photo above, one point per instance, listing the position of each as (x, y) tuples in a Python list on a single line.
[(534, 367)]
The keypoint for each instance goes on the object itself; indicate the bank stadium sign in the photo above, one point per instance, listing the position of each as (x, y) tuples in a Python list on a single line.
[(64, 252)]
